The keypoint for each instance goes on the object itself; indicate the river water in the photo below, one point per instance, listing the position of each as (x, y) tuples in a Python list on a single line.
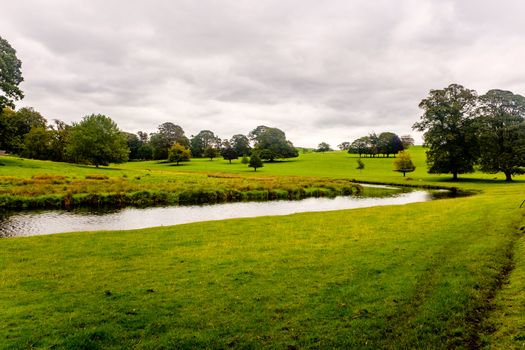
[(31, 223)]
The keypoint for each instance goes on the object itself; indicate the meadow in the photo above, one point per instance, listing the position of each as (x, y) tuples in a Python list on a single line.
[(442, 274)]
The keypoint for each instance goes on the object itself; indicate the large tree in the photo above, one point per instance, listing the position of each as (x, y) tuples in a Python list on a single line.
[(241, 145), (202, 141), (389, 143), (97, 140), (38, 143), (179, 153), (271, 143), (167, 135), (449, 130), (228, 152), (501, 129), (15, 125), (10, 76)]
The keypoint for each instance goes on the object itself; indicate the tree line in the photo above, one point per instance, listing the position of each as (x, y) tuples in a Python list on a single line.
[(97, 140)]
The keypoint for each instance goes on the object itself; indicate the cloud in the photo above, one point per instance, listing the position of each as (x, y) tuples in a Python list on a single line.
[(320, 71)]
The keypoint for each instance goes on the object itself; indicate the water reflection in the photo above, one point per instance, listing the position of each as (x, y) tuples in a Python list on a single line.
[(56, 221)]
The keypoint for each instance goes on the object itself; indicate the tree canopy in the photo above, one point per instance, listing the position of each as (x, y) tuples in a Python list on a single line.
[(449, 130), (10, 76), (271, 143), (204, 140), (323, 147), (179, 153), (167, 135), (501, 129), (97, 140), (403, 163)]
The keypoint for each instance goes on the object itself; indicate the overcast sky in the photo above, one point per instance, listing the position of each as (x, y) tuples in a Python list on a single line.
[(319, 70)]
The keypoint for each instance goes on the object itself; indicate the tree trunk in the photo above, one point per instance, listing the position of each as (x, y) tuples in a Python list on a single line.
[(254, 169), (403, 174), (454, 176), (508, 175)]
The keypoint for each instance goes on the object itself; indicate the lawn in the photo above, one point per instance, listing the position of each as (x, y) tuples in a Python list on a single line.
[(442, 274)]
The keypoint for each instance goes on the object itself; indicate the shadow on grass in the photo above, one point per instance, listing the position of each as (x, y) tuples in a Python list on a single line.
[(462, 180)]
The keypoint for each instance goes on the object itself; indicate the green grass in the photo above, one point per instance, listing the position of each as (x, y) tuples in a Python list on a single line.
[(423, 275)]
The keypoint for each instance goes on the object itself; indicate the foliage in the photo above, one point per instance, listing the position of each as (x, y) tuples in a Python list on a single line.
[(240, 144), (323, 147), (450, 132), (245, 159), (360, 165), (228, 152), (255, 162), (271, 143), (167, 135), (202, 142), (360, 146), (403, 163), (179, 153), (211, 152), (15, 125), (344, 146), (97, 140), (407, 141), (60, 132), (501, 129), (386, 143), (38, 143), (134, 145), (389, 143), (10, 76)]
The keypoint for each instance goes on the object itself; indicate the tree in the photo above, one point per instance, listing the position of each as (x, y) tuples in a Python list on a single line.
[(10, 76), (450, 133), (271, 143), (344, 146), (15, 125), (323, 147), (60, 132), (407, 141), (501, 129), (38, 143), (389, 143), (228, 152), (360, 146), (167, 135), (210, 152), (179, 153), (255, 162), (360, 165), (202, 141), (97, 140), (134, 145), (403, 163), (245, 159), (241, 144)]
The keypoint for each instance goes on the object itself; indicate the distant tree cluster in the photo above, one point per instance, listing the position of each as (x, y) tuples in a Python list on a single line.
[(462, 129), (97, 140), (373, 145)]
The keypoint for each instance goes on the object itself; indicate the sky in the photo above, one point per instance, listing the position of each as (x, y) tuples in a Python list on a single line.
[(322, 71)]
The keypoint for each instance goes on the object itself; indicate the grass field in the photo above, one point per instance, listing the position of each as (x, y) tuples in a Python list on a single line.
[(442, 274)]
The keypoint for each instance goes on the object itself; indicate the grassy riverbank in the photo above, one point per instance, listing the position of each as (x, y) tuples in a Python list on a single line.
[(423, 275), (26, 183)]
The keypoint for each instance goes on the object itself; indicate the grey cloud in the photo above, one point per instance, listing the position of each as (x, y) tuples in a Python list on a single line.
[(320, 70)]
